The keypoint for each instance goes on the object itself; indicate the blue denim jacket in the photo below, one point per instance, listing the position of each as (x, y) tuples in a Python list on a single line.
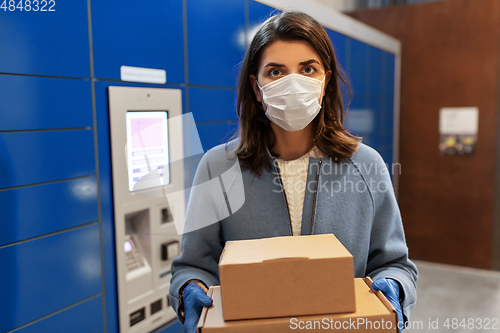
[(353, 199)]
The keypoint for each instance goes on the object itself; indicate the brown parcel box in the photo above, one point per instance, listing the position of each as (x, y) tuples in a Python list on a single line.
[(286, 276), (374, 313)]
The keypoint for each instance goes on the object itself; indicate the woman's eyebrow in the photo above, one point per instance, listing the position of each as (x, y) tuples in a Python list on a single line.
[(273, 64), (307, 62)]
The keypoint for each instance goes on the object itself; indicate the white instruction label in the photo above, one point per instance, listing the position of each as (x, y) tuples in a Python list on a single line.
[(145, 75)]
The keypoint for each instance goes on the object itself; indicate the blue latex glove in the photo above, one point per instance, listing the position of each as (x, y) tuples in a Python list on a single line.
[(390, 289), (194, 299)]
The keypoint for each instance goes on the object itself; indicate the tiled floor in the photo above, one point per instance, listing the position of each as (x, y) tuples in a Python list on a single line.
[(446, 292)]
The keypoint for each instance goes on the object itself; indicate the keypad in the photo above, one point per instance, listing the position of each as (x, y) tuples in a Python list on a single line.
[(133, 259)]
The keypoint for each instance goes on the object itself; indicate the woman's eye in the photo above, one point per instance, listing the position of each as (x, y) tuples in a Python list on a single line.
[(274, 72), (309, 70)]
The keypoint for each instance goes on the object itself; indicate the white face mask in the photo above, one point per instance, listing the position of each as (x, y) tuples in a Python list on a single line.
[(292, 101)]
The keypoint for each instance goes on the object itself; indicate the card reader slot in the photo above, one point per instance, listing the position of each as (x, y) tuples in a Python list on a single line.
[(156, 306), (137, 316)]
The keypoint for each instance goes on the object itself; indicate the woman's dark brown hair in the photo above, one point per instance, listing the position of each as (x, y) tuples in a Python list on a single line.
[(255, 131)]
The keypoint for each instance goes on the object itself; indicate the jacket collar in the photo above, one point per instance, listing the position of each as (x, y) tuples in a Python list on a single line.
[(272, 158)]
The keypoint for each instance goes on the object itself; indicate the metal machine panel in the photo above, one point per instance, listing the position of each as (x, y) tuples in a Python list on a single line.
[(106, 197), (144, 122)]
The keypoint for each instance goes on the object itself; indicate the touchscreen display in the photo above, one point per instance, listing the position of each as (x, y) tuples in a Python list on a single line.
[(147, 149)]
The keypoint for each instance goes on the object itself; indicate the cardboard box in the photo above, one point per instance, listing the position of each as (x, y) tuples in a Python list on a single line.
[(374, 313), (286, 276)]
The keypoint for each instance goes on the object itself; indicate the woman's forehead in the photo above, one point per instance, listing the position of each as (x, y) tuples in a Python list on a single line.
[(288, 53)]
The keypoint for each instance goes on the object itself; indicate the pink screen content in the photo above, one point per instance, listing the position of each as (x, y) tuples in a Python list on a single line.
[(142, 138)]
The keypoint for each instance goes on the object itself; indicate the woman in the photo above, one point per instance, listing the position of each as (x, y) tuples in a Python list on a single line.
[(301, 173)]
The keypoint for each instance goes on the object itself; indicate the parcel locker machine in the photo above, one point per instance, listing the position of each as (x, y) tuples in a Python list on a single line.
[(148, 196)]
